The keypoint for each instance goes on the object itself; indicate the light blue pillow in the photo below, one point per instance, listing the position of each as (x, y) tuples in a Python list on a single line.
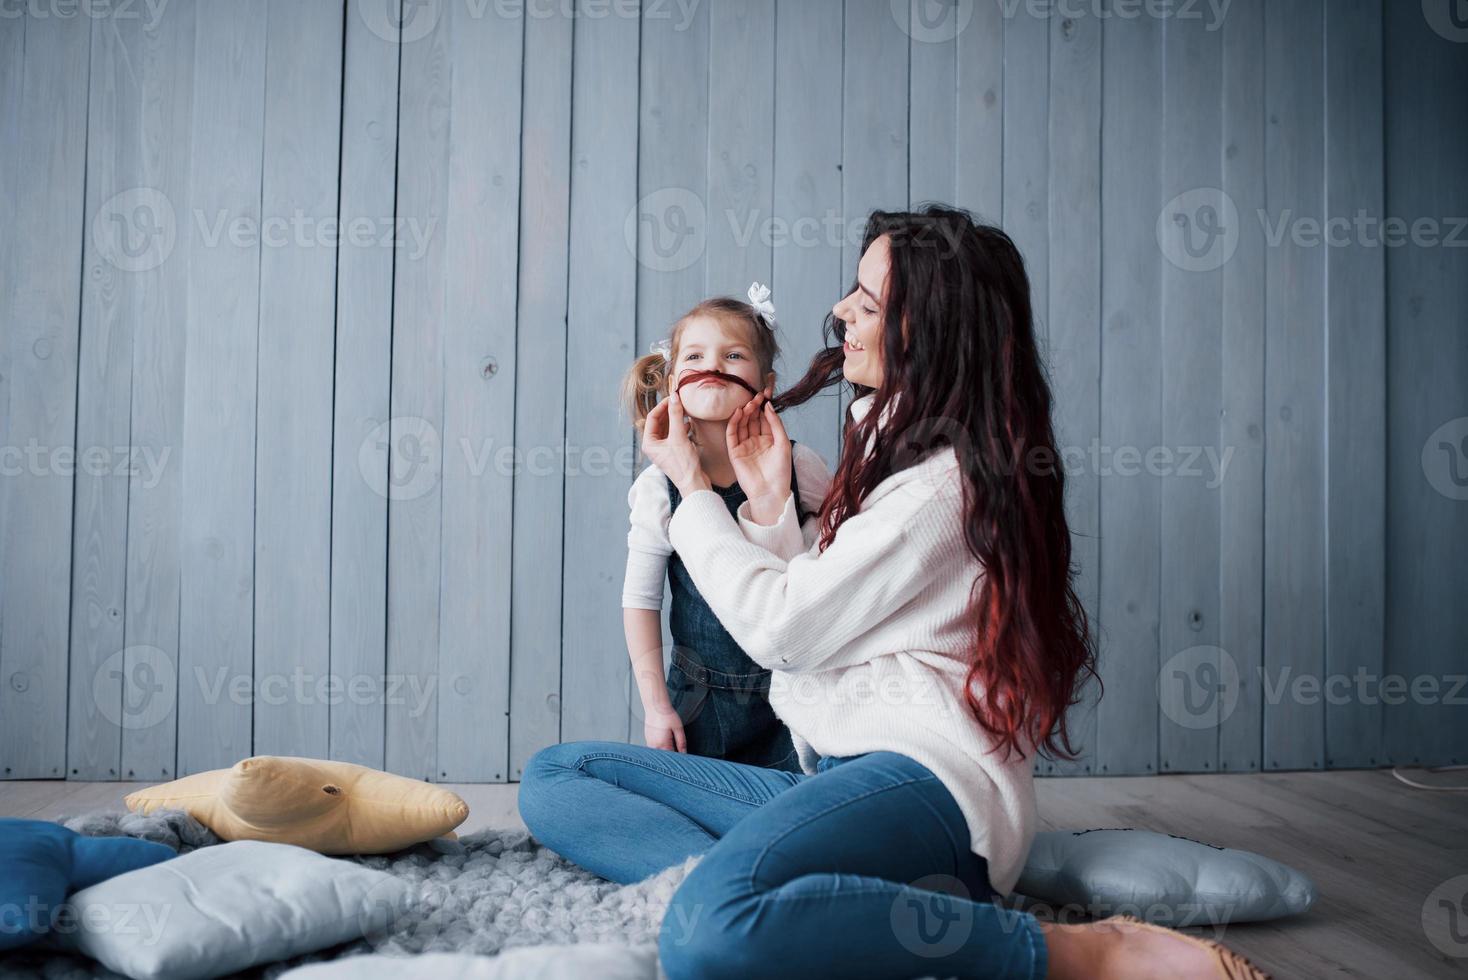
[(221, 909), (1161, 878)]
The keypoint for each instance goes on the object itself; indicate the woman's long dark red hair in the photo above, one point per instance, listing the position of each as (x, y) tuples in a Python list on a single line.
[(958, 343)]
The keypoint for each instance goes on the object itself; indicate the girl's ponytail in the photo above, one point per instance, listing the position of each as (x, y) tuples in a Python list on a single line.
[(644, 382)]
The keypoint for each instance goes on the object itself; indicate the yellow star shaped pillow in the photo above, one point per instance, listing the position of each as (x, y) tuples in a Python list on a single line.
[(329, 807)]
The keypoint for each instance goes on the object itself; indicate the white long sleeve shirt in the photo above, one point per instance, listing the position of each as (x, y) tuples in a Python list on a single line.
[(650, 508), (869, 641)]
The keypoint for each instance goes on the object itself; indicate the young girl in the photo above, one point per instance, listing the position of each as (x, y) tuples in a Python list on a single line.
[(714, 701)]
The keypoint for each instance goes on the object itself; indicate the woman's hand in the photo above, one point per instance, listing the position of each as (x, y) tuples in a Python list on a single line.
[(759, 450), (665, 441)]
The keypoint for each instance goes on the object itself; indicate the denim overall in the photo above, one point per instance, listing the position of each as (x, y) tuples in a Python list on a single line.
[(721, 695)]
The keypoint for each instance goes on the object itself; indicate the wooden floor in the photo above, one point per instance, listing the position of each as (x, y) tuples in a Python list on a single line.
[(1376, 848)]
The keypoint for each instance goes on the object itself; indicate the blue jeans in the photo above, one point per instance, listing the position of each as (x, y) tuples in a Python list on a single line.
[(861, 870)]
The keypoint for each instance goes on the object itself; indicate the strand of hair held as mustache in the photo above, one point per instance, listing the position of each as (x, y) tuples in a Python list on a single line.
[(696, 376)]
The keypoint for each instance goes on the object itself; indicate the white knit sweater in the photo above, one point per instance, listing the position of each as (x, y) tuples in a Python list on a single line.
[(649, 508), (868, 641)]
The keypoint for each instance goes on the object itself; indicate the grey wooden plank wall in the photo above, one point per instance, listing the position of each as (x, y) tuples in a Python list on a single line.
[(313, 316)]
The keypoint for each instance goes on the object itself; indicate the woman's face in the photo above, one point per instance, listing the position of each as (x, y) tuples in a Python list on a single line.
[(708, 344), (861, 311)]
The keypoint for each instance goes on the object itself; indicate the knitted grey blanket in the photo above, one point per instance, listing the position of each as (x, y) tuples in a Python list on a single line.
[(493, 891)]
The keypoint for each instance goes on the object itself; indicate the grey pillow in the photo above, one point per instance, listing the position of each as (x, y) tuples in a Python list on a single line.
[(1161, 878), (221, 909)]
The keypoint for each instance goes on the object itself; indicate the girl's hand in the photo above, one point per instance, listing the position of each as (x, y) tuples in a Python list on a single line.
[(664, 730), (665, 441), (759, 450)]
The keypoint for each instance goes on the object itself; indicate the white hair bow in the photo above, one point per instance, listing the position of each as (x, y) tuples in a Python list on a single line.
[(663, 347), (759, 298)]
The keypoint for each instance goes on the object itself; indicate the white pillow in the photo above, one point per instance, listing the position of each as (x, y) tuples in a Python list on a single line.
[(1160, 878), (604, 961), (221, 909)]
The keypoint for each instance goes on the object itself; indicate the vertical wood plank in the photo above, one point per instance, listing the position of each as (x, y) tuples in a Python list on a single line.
[(1241, 497), (1356, 381), (741, 146), (479, 398), (1131, 156), (12, 101), (540, 389), (216, 601), (933, 29), (154, 550), (40, 308), (602, 341), (1294, 475), (979, 179), (1190, 699), (416, 444), (874, 127), (1427, 387), (293, 470), (874, 120), (363, 366), (111, 299), (1026, 204), (807, 278), (12, 93), (123, 682), (674, 214), (1075, 302)]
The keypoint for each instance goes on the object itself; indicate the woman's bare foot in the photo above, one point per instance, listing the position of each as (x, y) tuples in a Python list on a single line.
[(1115, 950)]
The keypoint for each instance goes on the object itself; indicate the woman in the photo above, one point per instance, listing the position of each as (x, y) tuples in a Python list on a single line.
[(924, 639)]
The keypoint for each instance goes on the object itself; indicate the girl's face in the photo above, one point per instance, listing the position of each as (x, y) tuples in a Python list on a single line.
[(861, 311), (706, 343)]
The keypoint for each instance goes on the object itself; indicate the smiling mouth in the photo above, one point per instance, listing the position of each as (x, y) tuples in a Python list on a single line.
[(713, 381)]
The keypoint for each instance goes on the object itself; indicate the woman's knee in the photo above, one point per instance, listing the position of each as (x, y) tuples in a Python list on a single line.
[(708, 931), (547, 785)]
